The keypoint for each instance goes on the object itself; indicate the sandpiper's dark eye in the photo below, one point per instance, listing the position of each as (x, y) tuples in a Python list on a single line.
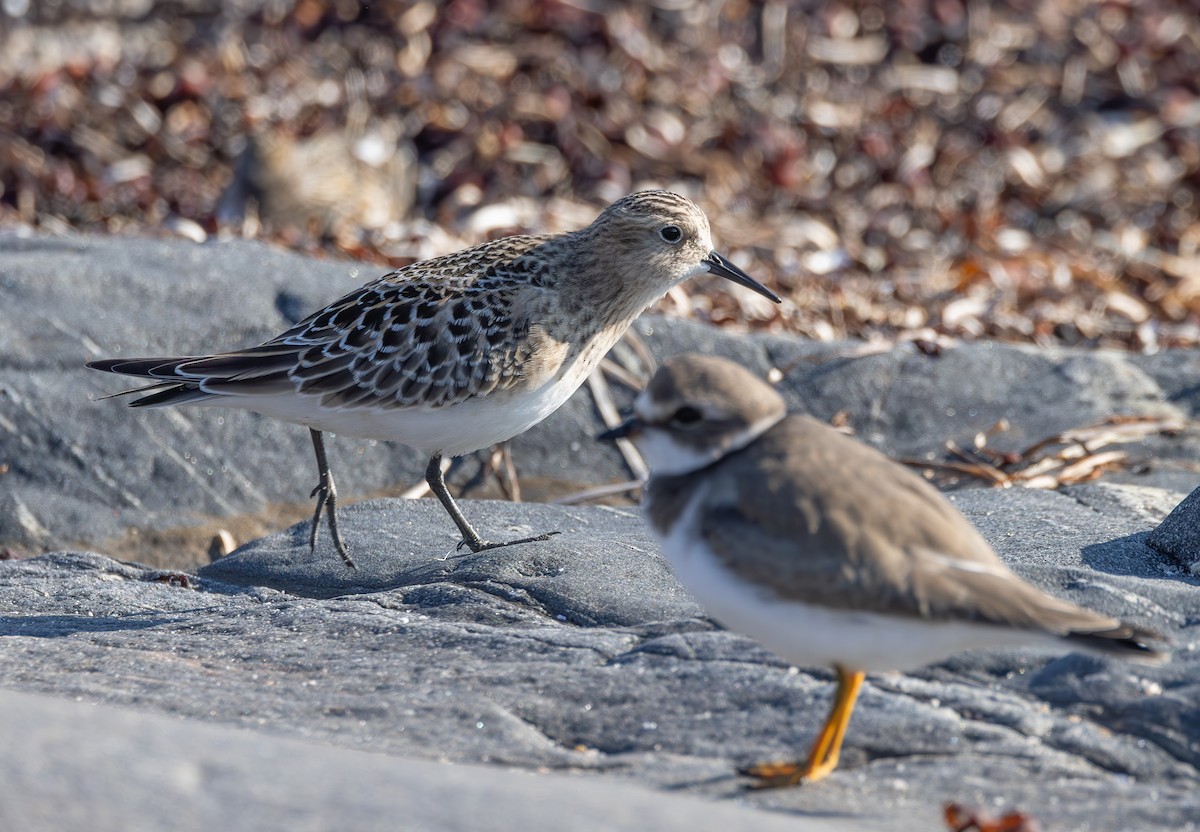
[(671, 233), (686, 415)]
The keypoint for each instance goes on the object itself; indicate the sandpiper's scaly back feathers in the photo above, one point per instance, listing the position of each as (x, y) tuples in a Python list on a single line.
[(464, 325), (459, 352)]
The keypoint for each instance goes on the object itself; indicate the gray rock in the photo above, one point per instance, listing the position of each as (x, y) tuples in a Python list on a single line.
[(184, 775), (582, 655), (602, 570), (1178, 536), (83, 473)]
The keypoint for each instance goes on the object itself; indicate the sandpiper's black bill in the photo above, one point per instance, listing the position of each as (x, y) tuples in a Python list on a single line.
[(721, 267), (626, 428)]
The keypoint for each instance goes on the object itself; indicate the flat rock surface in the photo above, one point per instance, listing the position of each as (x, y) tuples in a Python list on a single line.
[(582, 655), (83, 473), (186, 775)]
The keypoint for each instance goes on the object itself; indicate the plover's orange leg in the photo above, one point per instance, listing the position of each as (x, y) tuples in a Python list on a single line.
[(823, 757)]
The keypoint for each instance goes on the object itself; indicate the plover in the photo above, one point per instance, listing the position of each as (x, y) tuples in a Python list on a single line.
[(456, 353), (825, 550)]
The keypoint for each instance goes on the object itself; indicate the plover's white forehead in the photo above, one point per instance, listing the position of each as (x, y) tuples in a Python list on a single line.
[(649, 409), (718, 389)]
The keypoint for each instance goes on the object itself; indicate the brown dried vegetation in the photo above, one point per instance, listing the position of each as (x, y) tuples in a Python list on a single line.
[(928, 170)]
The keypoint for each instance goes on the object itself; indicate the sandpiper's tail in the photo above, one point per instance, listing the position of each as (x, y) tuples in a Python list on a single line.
[(159, 394), (195, 378)]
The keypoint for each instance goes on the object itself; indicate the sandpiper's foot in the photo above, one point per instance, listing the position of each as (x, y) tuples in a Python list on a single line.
[(470, 538), (479, 545), (326, 495)]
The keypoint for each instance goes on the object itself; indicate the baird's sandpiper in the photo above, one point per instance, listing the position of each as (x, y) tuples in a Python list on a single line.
[(459, 352), (825, 550)]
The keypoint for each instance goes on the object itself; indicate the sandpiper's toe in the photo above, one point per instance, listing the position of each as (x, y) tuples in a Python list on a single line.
[(483, 545)]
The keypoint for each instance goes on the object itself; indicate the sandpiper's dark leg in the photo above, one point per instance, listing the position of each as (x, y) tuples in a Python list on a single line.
[(326, 494), (471, 538)]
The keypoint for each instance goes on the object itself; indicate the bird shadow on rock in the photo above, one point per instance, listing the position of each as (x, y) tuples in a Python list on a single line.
[(602, 570)]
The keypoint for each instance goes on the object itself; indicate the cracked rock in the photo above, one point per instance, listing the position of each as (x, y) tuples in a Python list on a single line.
[(599, 666)]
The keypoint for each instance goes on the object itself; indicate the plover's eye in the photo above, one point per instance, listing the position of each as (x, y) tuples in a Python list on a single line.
[(686, 415), (671, 233)]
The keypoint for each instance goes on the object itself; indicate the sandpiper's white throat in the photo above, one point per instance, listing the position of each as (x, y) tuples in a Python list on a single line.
[(456, 353), (824, 549)]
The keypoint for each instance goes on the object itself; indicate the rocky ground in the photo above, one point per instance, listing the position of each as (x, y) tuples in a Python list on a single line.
[(984, 219), (580, 656), (256, 682), (81, 472)]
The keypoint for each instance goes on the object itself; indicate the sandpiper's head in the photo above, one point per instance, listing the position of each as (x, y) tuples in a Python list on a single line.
[(697, 409), (662, 233)]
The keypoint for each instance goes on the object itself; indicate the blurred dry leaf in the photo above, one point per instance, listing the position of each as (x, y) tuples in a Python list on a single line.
[(900, 172)]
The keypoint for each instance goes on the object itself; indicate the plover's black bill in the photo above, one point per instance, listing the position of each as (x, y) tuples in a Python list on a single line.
[(626, 428)]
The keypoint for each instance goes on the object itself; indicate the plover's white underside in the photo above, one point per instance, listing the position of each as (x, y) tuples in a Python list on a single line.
[(825, 550)]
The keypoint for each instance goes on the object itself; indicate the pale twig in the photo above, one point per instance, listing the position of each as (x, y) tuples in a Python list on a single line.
[(596, 492), (422, 488), (1079, 459), (638, 345), (509, 470), (630, 362), (1115, 430), (1090, 465), (222, 543), (983, 467), (973, 469), (621, 375), (1081, 470), (608, 412), (500, 465)]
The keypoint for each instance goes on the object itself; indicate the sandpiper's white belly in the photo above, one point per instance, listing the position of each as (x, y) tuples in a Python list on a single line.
[(809, 635), (450, 430)]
